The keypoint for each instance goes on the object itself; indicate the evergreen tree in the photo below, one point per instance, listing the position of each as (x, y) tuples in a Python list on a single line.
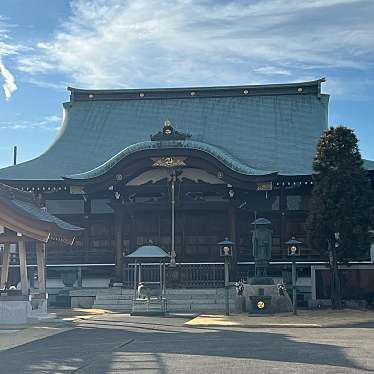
[(341, 212)]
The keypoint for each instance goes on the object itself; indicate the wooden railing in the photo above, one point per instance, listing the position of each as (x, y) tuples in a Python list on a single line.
[(184, 275)]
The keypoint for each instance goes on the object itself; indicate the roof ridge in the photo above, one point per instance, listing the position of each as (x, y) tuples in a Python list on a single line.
[(295, 88), (223, 87)]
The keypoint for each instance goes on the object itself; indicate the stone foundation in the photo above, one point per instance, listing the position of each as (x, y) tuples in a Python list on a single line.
[(269, 297), (21, 309)]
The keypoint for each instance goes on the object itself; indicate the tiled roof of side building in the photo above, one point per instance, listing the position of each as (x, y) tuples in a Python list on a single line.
[(369, 165), (265, 128), (22, 204)]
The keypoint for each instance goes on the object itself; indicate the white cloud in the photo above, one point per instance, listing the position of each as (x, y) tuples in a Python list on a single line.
[(7, 48), (271, 70), (140, 43), (51, 122), (9, 84), (47, 83)]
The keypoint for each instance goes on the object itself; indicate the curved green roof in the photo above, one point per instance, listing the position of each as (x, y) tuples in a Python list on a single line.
[(250, 128), (148, 251), (217, 153)]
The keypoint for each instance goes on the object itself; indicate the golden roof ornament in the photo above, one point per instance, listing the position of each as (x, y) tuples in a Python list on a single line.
[(169, 162)]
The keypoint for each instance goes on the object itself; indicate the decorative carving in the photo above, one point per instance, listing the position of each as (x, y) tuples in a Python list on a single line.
[(169, 133), (169, 162), (264, 186)]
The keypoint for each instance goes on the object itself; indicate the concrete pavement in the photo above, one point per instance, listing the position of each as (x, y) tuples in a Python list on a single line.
[(304, 318), (12, 336), (118, 343)]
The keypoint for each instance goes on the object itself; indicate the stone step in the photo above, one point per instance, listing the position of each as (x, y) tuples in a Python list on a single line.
[(205, 308), (178, 300), (114, 297), (115, 291), (114, 302), (201, 309), (173, 297), (195, 301), (124, 308)]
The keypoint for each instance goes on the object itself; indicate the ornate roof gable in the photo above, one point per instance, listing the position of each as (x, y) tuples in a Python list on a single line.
[(169, 133)]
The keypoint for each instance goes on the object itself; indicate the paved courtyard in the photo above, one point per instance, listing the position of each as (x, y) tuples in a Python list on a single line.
[(115, 343)]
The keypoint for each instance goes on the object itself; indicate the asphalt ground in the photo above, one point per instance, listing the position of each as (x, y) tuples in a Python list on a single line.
[(115, 343)]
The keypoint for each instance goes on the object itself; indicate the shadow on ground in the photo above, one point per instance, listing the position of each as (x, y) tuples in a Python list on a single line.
[(116, 344)]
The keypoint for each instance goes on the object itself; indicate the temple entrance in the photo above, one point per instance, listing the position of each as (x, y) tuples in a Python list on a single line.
[(197, 232), (180, 194)]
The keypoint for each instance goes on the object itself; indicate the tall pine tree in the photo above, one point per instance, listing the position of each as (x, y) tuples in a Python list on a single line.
[(341, 211)]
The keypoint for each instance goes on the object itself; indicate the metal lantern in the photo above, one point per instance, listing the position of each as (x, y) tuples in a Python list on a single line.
[(225, 250), (293, 246), (225, 247), (293, 251)]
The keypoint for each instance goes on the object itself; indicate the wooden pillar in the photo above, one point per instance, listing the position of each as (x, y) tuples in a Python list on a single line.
[(133, 234), (5, 267), (182, 255), (283, 218), (232, 218), (87, 231), (79, 280), (40, 259), (118, 233), (23, 267)]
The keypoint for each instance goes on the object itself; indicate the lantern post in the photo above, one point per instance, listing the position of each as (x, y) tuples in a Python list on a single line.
[(225, 248), (294, 251)]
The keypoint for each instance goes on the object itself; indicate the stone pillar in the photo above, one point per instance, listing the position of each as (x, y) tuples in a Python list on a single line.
[(118, 233), (40, 258), (5, 267), (23, 267)]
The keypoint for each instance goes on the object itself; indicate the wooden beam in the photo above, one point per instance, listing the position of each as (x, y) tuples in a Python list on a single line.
[(23, 267), (11, 238), (40, 258), (5, 267), (232, 230)]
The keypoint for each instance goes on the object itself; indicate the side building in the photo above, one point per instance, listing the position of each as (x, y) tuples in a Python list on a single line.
[(182, 168)]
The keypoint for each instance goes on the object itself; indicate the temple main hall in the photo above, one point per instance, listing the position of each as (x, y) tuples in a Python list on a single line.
[(181, 168)]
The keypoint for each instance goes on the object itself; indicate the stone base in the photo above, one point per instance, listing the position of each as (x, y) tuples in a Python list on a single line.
[(266, 299), (145, 307), (14, 312), (63, 299), (22, 309)]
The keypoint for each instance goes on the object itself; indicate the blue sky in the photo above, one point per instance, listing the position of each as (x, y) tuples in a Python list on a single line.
[(47, 45)]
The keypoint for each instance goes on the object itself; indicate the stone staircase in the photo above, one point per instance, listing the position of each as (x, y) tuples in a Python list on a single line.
[(178, 300), (115, 298)]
